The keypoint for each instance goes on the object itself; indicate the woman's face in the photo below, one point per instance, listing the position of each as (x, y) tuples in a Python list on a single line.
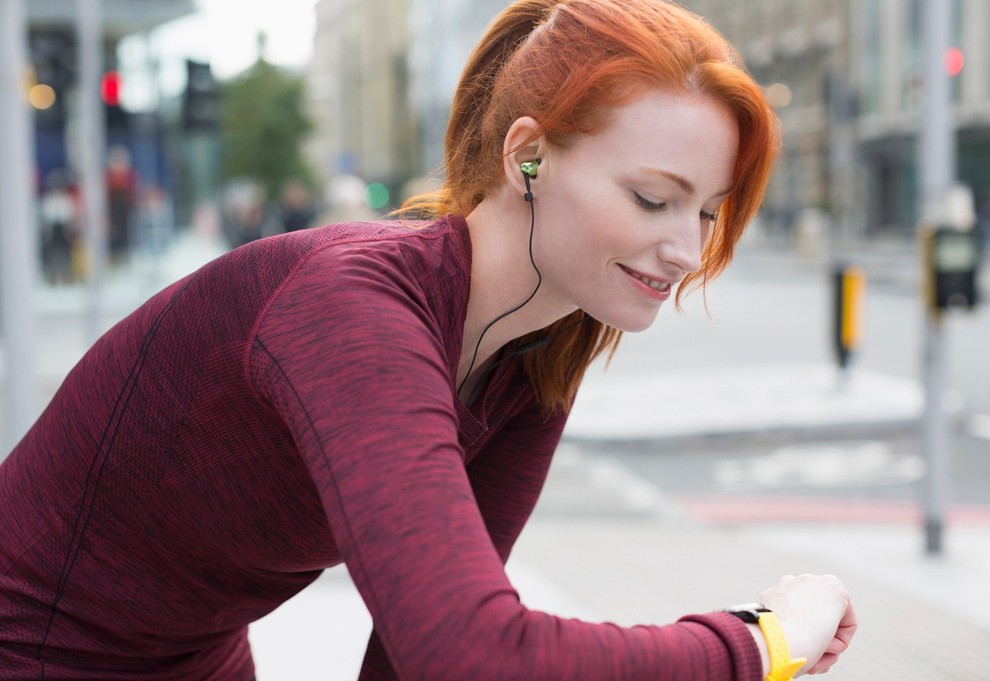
[(623, 214)]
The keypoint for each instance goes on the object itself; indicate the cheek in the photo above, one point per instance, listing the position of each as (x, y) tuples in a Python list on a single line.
[(590, 237), (582, 226), (570, 253)]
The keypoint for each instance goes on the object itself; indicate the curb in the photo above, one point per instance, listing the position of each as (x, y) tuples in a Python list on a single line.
[(770, 437)]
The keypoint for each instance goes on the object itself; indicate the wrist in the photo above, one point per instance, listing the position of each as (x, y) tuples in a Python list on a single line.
[(774, 651), (761, 645)]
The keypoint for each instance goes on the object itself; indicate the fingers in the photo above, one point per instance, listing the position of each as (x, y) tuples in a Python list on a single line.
[(847, 625), (837, 646), (823, 665)]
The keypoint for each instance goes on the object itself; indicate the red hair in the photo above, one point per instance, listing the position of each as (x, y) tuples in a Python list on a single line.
[(567, 64)]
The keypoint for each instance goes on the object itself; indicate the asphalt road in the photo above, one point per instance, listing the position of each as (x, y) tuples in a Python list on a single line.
[(859, 477)]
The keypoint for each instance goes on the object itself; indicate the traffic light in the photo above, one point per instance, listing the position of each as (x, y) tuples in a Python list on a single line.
[(200, 101), (111, 86), (953, 61), (951, 268)]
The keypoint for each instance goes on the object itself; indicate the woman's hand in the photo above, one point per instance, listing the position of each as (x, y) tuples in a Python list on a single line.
[(817, 616)]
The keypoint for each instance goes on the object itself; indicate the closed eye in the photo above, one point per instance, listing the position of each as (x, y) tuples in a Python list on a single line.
[(646, 204), (709, 217)]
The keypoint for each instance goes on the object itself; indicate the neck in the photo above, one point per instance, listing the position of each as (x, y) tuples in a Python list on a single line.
[(502, 278)]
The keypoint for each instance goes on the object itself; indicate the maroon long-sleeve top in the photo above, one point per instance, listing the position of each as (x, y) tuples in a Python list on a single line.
[(286, 408)]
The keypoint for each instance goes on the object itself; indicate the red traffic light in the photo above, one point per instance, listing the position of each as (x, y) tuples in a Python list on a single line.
[(953, 61), (110, 85)]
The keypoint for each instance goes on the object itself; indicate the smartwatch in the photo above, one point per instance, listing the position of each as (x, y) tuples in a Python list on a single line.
[(782, 666)]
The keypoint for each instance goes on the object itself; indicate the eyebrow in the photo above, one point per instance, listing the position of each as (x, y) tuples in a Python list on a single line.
[(680, 180)]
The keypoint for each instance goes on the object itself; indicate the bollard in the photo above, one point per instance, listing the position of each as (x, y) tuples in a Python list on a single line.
[(849, 289)]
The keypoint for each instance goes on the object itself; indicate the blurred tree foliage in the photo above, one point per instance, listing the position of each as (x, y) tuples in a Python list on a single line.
[(263, 125)]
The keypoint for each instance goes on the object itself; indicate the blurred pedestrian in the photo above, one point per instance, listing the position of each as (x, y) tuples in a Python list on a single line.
[(389, 395), (122, 195), (296, 206), (243, 212), (345, 201), (59, 226)]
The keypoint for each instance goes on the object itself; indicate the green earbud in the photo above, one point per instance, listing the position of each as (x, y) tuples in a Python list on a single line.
[(530, 168)]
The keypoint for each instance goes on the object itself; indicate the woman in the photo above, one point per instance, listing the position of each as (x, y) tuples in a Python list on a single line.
[(390, 397)]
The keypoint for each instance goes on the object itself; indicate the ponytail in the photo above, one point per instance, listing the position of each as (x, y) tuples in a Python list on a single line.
[(467, 180), (567, 63)]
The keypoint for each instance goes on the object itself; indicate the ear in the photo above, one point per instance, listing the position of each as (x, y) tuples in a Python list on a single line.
[(522, 143)]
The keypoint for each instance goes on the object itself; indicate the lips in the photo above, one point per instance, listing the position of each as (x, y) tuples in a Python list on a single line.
[(655, 284)]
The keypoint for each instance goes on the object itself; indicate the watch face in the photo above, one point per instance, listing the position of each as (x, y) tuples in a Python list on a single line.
[(748, 612)]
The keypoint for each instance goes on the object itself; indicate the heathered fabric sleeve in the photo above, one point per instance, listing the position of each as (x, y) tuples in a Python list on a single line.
[(355, 365), (506, 477)]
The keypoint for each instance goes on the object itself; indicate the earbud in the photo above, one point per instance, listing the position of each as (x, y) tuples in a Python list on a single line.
[(529, 170)]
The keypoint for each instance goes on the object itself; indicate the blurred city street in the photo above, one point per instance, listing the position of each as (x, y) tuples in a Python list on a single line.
[(713, 456), (717, 451)]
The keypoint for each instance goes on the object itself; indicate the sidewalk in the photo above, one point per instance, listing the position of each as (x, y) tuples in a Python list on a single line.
[(726, 401), (649, 560), (642, 561)]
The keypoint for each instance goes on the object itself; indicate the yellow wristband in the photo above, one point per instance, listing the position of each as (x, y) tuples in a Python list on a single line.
[(782, 667)]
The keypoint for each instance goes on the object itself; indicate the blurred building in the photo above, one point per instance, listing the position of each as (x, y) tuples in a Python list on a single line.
[(382, 78), (443, 33), (359, 88), (121, 16), (846, 79), (844, 76)]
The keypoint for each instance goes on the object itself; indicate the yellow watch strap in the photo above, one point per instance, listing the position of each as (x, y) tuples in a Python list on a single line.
[(782, 667)]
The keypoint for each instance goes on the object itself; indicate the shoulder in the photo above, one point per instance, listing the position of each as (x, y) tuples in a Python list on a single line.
[(371, 300), (431, 259), (383, 250), (369, 268), (442, 244)]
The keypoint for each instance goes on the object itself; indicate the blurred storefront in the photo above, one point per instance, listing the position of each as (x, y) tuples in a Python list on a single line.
[(136, 163), (53, 53)]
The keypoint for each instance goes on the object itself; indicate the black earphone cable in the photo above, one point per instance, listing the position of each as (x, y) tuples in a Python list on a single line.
[(539, 281), (532, 345)]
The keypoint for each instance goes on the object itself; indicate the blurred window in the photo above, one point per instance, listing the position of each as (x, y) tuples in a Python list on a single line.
[(956, 40), (871, 54), (913, 67)]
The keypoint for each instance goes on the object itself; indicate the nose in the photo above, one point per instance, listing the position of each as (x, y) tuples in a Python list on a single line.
[(681, 244)]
